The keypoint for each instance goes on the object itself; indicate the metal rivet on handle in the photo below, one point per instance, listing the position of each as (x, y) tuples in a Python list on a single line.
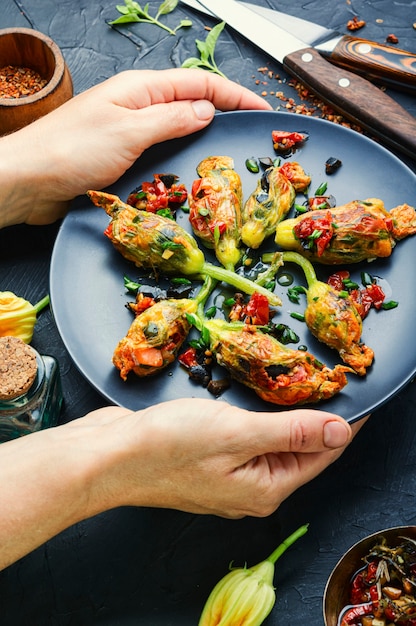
[(306, 57), (364, 48), (344, 82)]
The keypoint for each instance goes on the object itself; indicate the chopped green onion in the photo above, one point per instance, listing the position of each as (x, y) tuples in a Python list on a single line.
[(180, 281), (297, 316), (321, 189), (366, 279), (209, 313), (252, 165), (293, 293), (131, 285), (391, 304)]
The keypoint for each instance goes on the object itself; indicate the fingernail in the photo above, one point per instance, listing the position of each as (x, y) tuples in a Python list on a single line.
[(204, 109), (336, 434)]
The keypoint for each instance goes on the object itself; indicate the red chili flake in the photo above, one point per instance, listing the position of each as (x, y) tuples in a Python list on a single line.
[(19, 82), (355, 23), (392, 38)]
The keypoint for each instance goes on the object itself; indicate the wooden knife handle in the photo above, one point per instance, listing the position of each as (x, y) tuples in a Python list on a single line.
[(356, 98), (375, 61)]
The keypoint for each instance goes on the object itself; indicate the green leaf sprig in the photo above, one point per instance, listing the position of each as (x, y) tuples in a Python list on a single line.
[(131, 11), (206, 51)]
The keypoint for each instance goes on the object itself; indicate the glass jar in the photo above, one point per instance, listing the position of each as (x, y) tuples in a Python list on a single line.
[(37, 408)]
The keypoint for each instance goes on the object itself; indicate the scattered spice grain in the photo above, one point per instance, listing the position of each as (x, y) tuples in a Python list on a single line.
[(310, 104), (19, 82), (355, 23)]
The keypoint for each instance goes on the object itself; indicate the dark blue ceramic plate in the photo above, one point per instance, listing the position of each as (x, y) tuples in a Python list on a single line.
[(86, 281)]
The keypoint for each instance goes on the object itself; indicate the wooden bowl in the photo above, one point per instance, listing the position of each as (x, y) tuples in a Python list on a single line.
[(337, 587), (24, 47)]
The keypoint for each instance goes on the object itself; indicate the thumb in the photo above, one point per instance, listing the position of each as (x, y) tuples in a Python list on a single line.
[(313, 431), (179, 118), (296, 431)]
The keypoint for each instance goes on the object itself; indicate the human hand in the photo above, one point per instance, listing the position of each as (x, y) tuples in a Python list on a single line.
[(199, 456), (205, 456), (91, 140)]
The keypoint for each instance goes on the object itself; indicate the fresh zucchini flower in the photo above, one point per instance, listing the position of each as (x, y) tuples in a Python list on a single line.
[(18, 316), (246, 596)]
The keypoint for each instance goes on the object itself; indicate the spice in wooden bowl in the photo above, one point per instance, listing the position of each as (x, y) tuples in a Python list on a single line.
[(20, 82), (34, 78)]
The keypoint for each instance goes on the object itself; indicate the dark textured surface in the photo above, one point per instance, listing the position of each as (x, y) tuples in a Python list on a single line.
[(155, 567)]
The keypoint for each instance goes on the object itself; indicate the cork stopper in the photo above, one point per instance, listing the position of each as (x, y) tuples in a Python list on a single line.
[(18, 367)]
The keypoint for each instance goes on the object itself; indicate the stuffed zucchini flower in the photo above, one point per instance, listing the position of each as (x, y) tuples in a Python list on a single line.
[(158, 243), (333, 318), (154, 338), (215, 208), (276, 373), (348, 233), (266, 207), (271, 201)]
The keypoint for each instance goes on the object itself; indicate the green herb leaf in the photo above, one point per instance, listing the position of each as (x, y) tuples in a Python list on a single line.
[(167, 7), (132, 12), (206, 51)]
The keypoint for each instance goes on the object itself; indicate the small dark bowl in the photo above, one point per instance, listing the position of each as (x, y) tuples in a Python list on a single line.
[(24, 47), (336, 590)]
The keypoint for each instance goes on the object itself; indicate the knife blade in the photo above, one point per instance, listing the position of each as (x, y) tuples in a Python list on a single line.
[(378, 62), (352, 95)]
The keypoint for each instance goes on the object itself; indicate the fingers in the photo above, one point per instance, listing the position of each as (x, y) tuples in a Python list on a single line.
[(184, 99), (180, 118), (296, 430), (149, 87), (248, 464)]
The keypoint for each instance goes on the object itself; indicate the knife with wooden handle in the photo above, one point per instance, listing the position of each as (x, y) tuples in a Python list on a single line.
[(379, 62), (375, 61), (355, 97)]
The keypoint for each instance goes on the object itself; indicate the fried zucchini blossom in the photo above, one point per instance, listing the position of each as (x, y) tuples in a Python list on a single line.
[(154, 242), (333, 318), (271, 201), (215, 208), (246, 596), (278, 374), (157, 333), (348, 233), (154, 338)]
